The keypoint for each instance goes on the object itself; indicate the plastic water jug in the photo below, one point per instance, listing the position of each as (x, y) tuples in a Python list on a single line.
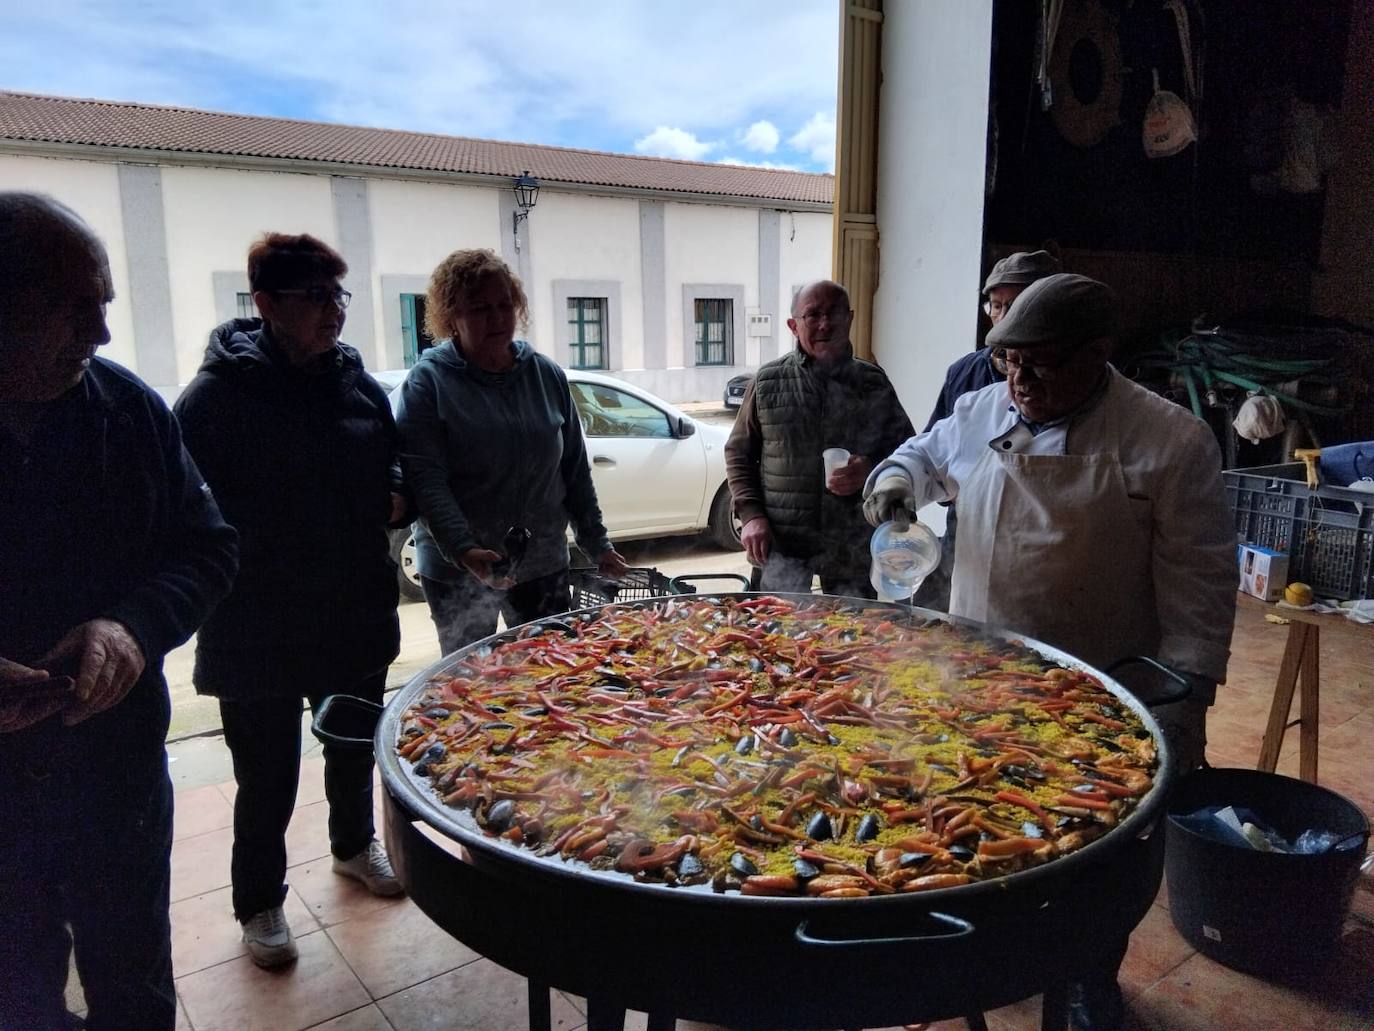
[(904, 553)]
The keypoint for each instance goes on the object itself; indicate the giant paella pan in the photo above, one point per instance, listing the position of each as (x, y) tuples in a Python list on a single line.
[(776, 811)]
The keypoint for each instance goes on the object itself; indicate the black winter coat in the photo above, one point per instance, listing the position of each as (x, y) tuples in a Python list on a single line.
[(104, 515), (303, 465)]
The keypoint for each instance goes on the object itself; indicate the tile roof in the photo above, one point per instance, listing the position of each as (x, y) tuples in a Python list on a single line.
[(40, 119)]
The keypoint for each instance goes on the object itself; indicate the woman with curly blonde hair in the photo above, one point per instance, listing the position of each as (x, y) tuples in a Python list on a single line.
[(492, 448)]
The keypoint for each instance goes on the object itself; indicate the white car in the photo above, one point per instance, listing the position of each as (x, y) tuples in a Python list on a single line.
[(658, 472)]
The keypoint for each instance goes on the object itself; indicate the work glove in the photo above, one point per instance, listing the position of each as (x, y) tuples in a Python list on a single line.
[(892, 495)]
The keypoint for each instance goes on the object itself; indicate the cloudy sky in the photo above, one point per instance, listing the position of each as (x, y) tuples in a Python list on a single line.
[(747, 81)]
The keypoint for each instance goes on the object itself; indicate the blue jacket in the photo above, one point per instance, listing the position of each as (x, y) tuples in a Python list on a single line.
[(302, 465), (103, 514), (972, 372), (484, 451)]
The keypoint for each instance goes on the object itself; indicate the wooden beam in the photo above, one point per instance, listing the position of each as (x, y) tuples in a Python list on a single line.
[(855, 242)]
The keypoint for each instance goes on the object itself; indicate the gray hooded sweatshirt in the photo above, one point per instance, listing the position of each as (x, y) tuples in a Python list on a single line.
[(483, 452)]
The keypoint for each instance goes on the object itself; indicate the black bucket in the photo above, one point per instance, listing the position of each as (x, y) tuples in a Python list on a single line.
[(1262, 912)]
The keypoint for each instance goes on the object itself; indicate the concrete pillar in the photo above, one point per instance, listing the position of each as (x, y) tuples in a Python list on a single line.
[(931, 156)]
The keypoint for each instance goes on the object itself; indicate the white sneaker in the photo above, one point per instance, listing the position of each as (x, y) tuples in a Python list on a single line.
[(371, 867), (268, 937)]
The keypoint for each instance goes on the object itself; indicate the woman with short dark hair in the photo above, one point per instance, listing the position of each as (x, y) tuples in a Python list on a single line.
[(493, 450), (298, 444)]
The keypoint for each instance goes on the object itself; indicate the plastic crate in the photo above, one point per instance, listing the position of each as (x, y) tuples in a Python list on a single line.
[(1328, 533), (590, 588)]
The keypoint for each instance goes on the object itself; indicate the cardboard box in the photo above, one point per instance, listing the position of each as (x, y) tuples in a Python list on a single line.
[(1263, 571)]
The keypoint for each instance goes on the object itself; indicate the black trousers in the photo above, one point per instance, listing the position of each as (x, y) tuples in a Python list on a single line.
[(264, 738), (86, 861), (465, 611)]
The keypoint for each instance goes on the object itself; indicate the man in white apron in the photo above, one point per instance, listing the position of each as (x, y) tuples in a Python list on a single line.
[(1092, 514)]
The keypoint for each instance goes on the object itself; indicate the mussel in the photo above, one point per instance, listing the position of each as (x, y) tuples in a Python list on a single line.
[(740, 863), (744, 745), (689, 866), (787, 739), (910, 859), (433, 754), (818, 828), (961, 853), (868, 828), (499, 815), (804, 869)]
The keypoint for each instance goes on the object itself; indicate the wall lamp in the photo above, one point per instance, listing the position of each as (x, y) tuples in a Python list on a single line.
[(526, 189)]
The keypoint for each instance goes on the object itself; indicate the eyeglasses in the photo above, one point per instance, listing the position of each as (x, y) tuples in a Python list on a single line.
[(996, 309), (321, 295), (1003, 362), (813, 318)]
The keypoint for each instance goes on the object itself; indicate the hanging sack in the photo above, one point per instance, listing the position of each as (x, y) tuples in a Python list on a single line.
[(1168, 125), (1260, 418)]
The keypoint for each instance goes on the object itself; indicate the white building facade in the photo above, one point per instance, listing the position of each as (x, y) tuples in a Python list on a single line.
[(677, 288)]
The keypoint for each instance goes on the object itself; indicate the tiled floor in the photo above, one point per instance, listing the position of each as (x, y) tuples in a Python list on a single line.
[(367, 964)]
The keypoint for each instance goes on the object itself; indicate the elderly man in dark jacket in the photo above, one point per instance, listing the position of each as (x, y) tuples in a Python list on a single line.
[(112, 551), (797, 522), (299, 444)]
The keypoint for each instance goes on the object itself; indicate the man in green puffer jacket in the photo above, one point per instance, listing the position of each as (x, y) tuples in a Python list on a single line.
[(797, 523)]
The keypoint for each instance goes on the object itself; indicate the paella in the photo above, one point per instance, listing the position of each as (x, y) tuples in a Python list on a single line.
[(777, 746)]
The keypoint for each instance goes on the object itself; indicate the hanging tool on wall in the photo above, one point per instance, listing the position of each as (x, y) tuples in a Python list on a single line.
[(1085, 72), (1170, 123)]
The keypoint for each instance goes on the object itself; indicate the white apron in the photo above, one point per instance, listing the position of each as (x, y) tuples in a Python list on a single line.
[(1052, 547)]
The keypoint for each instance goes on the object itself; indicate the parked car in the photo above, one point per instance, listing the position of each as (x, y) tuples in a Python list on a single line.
[(658, 472), (734, 390)]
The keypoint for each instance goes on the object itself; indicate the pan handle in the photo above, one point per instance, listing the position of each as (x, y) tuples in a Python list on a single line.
[(1184, 682), (961, 928), (685, 583), (339, 714)]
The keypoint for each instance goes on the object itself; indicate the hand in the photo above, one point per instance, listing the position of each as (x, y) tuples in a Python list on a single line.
[(757, 538), (610, 563), (849, 478), (893, 490), (16, 715), (477, 561), (107, 659)]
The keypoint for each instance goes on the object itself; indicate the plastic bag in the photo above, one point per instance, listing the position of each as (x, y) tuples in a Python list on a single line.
[(1241, 827), (1311, 842), (1169, 126), (1260, 418)]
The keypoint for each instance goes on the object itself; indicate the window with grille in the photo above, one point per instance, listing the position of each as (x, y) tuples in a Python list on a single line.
[(715, 322), (244, 306), (587, 332)]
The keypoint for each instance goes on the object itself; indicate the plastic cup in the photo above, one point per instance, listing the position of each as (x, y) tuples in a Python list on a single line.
[(833, 458)]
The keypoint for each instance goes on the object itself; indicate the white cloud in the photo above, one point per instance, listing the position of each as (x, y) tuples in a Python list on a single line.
[(665, 142), (816, 139), (752, 163), (762, 136), (598, 74)]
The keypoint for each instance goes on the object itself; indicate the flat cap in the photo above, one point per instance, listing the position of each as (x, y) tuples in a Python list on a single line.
[(1059, 309), (1021, 268)]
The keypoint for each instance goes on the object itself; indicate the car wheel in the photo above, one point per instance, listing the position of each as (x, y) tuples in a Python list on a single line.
[(724, 525), (407, 568)]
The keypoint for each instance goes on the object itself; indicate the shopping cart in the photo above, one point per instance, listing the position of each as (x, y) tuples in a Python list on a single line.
[(590, 588)]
